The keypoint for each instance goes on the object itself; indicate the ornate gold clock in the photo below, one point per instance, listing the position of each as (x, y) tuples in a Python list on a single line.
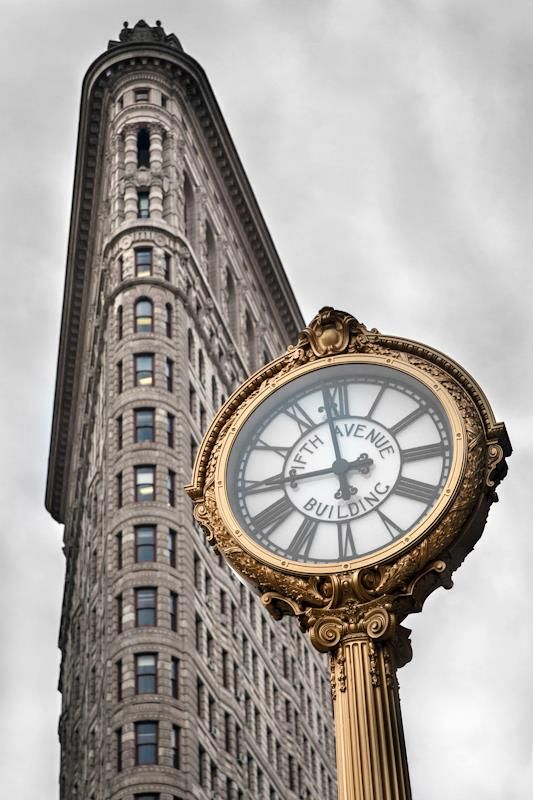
[(346, 480)]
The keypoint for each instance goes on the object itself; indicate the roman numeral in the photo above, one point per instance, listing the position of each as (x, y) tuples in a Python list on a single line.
[(336, 400), (266, 485), (302, 541), (392, 529), (273, 515), (416, 490), (408, 420), (281, 451), (376, 400), (424, 451), (297, 413), (346, 541)]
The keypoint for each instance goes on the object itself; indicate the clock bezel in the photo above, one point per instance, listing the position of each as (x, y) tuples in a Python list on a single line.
[(394, 548)]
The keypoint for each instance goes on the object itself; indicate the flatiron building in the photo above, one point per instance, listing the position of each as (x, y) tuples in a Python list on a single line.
[(175, 683)]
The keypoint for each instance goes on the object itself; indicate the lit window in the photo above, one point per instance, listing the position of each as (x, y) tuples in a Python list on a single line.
[(172, 547), (169, 373), (144, 484), (144, 425), (144, 316), (146, 743), (145, 607), (146, 673), (142, 95), (144, 369), (171, 487), (143, 205), (170, 430), (144, 543), (143, 262), (143, 148), (173, 611)]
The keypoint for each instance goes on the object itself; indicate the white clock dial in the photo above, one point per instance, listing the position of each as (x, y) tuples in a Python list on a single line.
[(339, 463)]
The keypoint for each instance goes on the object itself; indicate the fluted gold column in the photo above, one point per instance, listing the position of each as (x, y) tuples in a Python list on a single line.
[(371, 758)]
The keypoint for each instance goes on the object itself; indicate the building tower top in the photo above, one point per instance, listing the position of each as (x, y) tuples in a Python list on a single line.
[(143, 33)]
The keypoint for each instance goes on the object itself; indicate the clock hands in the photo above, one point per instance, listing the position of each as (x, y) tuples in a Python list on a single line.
[(339, 466)]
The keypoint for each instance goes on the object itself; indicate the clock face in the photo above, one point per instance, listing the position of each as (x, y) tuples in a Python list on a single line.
[(339, 463)]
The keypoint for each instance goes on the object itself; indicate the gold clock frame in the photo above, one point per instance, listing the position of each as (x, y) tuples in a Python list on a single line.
[(448, 494), (354, 610)]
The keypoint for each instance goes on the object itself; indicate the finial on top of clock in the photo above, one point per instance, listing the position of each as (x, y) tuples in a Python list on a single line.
[(332, 332)]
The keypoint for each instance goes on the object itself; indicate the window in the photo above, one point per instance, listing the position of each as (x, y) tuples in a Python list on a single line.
[(194, 449), (171, 487), (119, 490), (192, 400), (144, 316), (147, 797), (118, 674), (118, 539), (144, 543), (145, 607), (189, 213), (250, 342), (172, 547), (169, 374), (144, 425), (174, 677), (211, 254), (120, 315), (120, 268), (203, 419), (145, 673), (142, 95), (231, 301), (214, 392), (166, 266), (119, 432), (201, 367), (164, 100), (144, 369), (190, 346), (143, 262), (120, 382), (143, 148), (168, 320), (118, 737), (173, 611), (143, 205), (120, 103), (146, 742), (144, 483), (119, 612), (170, 429), (175, 746)]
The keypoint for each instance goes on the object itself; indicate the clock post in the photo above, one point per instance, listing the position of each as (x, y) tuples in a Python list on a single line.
[(347, 480)]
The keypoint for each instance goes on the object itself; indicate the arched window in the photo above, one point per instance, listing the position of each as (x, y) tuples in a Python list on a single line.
[(231, 300), (144, 316), (190, 346), (214, 392), (211, 255), (201, 367), (250, 341), (143, 148), (188, 209)]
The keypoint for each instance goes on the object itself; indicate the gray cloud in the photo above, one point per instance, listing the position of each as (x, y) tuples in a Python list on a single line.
[(389, 148)]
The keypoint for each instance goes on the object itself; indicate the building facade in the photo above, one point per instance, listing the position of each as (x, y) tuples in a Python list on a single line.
[(175, 682)]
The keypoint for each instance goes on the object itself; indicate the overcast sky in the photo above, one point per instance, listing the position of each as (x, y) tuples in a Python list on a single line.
[(390, 148)]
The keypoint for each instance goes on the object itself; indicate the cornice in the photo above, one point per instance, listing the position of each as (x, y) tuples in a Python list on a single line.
[(195, 88)]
